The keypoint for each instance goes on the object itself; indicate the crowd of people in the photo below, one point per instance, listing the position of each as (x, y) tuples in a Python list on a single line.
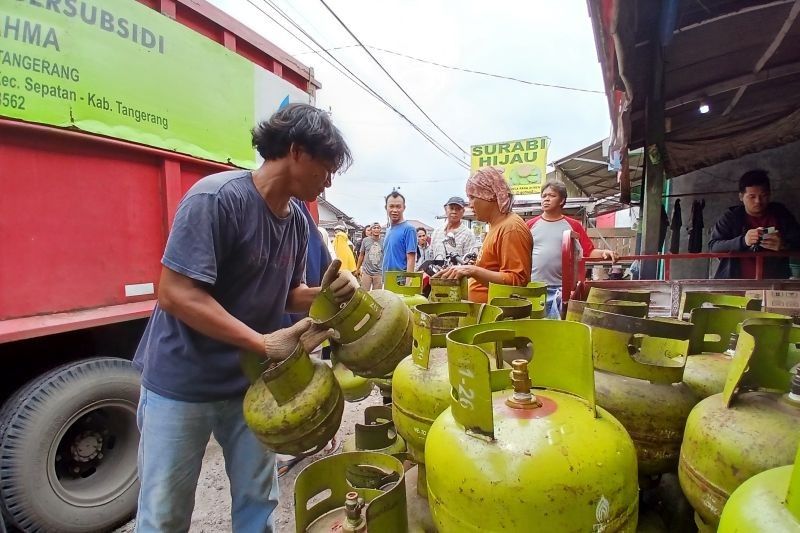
[(241, 268), (513, 252)]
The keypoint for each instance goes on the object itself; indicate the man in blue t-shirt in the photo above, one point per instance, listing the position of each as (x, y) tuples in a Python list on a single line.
[(318, 259), (235, 261), (400, 243)]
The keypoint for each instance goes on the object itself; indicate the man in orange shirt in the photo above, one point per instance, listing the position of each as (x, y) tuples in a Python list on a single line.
[(506, 253)]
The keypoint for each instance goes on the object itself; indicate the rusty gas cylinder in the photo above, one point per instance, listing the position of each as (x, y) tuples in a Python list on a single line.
[(768, 502), (752, 426), (639, 365), (713, 343), (374, 330), (575, 308), (295, 406), (351, 492), (535, 292), (376, 434)]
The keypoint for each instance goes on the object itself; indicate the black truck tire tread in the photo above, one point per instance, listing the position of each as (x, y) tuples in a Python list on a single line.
[(22, 412)]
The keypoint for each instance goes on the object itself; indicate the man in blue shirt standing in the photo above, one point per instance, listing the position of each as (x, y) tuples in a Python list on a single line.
[(235, 261), (400, 243)]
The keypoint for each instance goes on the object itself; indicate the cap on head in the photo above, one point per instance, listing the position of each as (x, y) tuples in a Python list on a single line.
[(456, 200), (339, 227)]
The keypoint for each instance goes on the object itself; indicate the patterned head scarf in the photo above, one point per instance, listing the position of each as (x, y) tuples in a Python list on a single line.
[(489, 184)]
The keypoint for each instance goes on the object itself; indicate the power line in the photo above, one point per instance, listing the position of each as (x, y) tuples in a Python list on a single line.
[(467, 70), (407, 182), (391, 77), (312, 51), (351, 75), (510, 78), (284, 28)]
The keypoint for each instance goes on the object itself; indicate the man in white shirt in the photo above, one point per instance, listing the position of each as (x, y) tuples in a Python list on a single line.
[(464, 239), (547, 231)]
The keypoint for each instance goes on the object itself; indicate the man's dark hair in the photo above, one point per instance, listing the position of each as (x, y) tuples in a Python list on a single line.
[(559, 189), (307, 127), (754, 178), (423, 230), (394, 194)]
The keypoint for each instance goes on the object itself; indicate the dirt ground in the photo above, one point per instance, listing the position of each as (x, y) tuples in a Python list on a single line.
[(212, 510)]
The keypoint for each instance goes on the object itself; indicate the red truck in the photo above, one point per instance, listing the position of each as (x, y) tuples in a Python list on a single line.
[(109, 112)]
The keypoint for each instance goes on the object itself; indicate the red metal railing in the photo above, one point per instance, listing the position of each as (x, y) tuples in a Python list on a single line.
[(574, 267), (668, 258)]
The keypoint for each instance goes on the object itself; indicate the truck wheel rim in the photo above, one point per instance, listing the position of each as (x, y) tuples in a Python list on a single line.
[(92, 459)]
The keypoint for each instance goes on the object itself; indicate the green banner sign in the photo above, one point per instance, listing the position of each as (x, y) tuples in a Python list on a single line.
[(121, 69)]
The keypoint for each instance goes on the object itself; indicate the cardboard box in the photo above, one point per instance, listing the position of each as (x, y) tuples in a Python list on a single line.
[(782, 302), (755, 294), (759, 293), (783, 299)]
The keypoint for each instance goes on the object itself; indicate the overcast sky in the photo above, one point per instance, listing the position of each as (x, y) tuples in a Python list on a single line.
[(545, 41)]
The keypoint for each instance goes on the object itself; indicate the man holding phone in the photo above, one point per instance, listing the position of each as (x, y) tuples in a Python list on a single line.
[(755, 225)]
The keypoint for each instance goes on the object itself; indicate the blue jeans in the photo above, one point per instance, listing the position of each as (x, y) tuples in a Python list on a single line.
[(173, 440), (552, 305)]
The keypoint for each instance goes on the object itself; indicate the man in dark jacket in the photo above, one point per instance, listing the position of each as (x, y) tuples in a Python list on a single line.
[(756, 225)]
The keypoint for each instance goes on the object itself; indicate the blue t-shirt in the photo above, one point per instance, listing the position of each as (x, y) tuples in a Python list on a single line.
[(317, 259), (226, 237), (400, 240)]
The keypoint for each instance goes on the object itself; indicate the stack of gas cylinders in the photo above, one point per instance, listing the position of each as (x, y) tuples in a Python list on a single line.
[(500, 420)]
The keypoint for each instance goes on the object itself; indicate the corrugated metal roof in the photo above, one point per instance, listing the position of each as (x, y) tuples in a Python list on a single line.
[(587, 170), (741, 58)]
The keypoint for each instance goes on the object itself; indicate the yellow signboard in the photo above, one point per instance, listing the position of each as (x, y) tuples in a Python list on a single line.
[(524, 162)]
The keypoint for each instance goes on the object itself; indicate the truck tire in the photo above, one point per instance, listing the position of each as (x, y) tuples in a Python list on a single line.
[(68, 447)]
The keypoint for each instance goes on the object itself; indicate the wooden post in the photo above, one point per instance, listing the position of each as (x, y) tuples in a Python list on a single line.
[(653, 188)]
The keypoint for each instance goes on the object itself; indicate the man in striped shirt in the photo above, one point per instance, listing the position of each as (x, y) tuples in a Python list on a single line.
[(464, 238)]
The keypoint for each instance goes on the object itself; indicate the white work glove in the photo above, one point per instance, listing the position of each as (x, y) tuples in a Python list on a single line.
[(342, 283), (281, 344)]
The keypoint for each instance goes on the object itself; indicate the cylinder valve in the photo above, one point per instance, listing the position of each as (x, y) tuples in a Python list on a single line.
[(522, 398), (354, 511)]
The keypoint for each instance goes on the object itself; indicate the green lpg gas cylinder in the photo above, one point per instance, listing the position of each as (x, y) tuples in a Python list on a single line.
[(793, 357), (448, 290), (407, 285), (512, 308), (295, 406), (374, 330), (752, 426), (692, 300), (768, 502), (376, 434), (575, 308), (714, 336), (422, 391), (421, 388), (355, 388), (419, 511), (638, 376), (518, 453), (384, 385), (535, 292), (351, 492), (600, 295)]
